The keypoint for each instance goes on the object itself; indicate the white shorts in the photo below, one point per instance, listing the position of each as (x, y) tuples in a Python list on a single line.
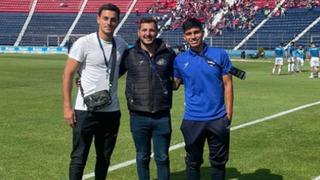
[(290, 59), (278, 61), (314, 62), (301, 60)]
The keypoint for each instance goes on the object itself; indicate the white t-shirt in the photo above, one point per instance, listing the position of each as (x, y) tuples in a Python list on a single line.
[(93, 70)]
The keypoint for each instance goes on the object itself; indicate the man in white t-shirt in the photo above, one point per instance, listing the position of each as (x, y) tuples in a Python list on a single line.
[(91, 57)]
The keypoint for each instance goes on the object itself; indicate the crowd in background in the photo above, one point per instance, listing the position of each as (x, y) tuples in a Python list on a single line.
[(300, 3), (219, 15)]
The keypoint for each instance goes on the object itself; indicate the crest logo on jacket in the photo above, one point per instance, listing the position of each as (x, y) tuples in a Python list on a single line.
[(162, 62)]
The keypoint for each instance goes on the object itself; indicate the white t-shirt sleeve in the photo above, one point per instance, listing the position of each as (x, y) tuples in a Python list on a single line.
[(77, 51)]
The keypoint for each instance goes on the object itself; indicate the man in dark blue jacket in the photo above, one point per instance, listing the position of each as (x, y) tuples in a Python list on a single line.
[(149, 67)]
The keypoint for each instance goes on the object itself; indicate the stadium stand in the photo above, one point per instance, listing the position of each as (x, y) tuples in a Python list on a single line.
[(152, 6), (15, 6), (313, 34), (58, 6), (283, 28), (87, 24), (53, 18), (93, 5), (11, 24), (43, 25), (265, 3)]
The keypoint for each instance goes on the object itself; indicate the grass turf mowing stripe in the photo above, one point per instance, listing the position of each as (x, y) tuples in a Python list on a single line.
[(180, 145)]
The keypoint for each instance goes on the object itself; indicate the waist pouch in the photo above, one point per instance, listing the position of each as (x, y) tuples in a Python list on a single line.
[(98, 100)]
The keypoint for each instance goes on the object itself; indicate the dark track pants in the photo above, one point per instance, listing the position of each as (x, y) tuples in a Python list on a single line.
[(103, 126), (217, 133)]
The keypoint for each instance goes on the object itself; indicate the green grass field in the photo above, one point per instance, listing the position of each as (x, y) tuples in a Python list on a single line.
[(35, 142)]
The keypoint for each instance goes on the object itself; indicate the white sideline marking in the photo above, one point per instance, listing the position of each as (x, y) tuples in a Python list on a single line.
[(317, 178), (260, 61), (180, 145)]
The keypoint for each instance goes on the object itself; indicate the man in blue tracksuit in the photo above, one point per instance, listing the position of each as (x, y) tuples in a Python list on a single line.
[(208, 101)]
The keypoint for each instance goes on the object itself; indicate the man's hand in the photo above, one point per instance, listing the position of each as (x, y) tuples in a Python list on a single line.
[(229, 115), (176, 83), (69, 70), (77, 82), (69, 117)]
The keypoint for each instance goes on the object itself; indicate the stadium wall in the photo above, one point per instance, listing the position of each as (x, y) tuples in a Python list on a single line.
[(63, 50), (33, 50)]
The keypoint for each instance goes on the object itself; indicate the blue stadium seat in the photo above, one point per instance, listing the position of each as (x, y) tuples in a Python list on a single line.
[(44, 24), (11, 24)]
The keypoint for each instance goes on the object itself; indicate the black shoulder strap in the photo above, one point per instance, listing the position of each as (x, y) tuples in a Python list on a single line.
[(211, 62), (113, 58), (233, 70)]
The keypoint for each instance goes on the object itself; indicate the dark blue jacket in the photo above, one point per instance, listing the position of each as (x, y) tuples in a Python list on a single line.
[(149, 79)]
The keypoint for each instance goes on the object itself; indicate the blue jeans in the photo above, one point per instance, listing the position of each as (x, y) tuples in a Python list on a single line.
[(147, 126)]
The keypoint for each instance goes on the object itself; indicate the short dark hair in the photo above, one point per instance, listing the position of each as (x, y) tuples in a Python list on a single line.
[(110, 7), (191, 23), (148, 20)]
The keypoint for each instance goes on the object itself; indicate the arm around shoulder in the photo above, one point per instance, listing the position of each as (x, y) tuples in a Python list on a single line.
[(176, 83)]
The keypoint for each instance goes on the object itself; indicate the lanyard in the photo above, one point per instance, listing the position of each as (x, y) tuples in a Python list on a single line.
[(104, 55), (113, 60)]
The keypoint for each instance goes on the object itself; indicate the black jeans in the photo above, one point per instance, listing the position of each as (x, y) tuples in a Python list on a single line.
[(217, 133), (103, 126)]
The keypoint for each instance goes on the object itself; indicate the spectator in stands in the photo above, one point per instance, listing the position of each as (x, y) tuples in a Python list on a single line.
[(279, 56), (149, 70), (95, 57), (208, 88), (137, 12), (266, 11)]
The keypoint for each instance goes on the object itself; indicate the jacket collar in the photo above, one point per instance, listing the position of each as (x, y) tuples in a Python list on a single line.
[(160, 45), (203, 51)]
